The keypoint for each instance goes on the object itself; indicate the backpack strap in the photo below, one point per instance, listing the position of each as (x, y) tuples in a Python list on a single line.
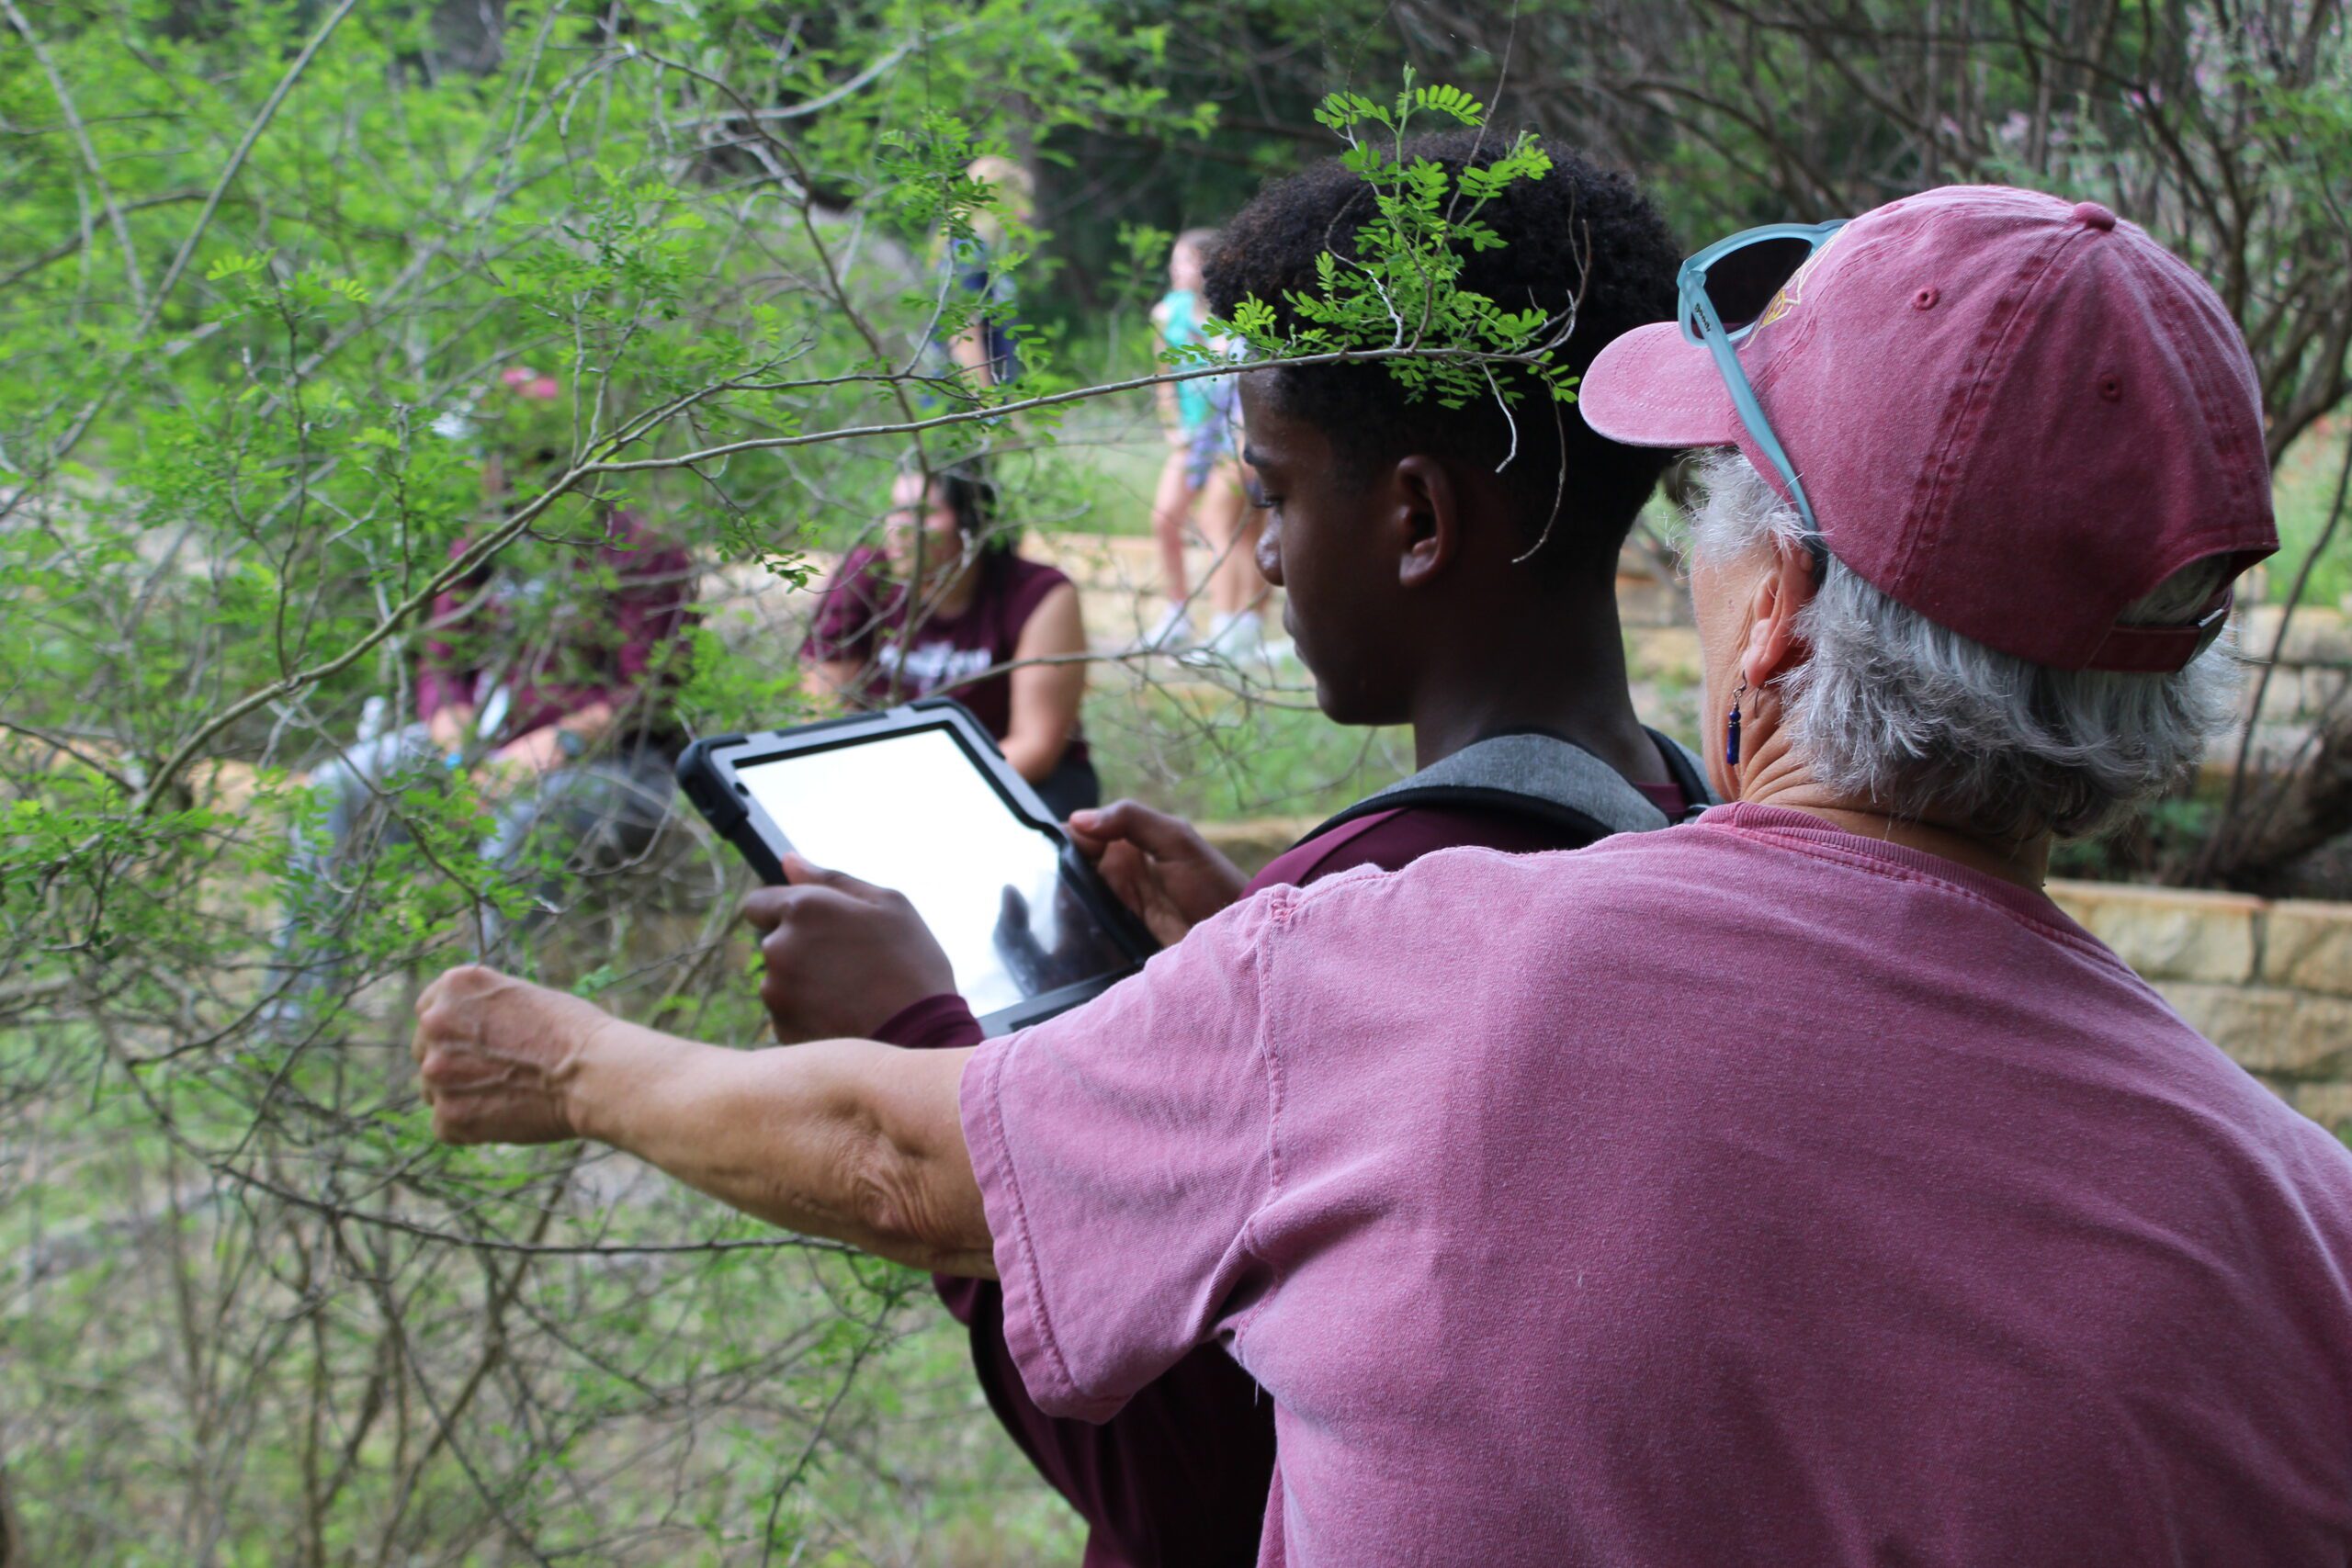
[(1538, 777), (1690, 773)]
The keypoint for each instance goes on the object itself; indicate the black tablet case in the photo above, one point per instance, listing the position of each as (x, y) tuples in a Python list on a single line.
[(706, 772)]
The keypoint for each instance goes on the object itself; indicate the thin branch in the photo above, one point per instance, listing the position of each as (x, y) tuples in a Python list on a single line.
[(89, 157)]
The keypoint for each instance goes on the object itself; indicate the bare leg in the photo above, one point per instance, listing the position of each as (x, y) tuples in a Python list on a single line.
[(1171, 506)]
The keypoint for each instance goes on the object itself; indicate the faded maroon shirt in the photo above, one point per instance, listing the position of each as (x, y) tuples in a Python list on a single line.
[(1749, 1193), (1179, 1477), (866, 619), (616, 632)]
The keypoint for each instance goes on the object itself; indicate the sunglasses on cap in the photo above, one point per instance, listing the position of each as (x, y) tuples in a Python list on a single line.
[(1725, 291), (1730, 289)]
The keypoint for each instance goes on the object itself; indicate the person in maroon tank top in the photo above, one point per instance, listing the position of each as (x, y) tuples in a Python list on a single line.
[(948, 607), (1429, 582)]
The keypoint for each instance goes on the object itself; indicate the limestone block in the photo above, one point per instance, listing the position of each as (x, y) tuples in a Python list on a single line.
[(2329, 1104), (2324, 688), (2269, 1028), (2167, 934), (1647, 600), (2242, 1020), (2316, 635), (1662, 653), (2309, 945)]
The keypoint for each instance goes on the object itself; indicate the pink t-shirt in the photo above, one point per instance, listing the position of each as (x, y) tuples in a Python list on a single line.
[(1880, 1215)]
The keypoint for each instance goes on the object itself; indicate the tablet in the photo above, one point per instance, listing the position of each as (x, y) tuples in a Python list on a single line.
[(919, 799)]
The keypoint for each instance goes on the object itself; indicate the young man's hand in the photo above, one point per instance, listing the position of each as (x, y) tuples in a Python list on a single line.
[(496, 1055), (840, 958), (1157, 865)]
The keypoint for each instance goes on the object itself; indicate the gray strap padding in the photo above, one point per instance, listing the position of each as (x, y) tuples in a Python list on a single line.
[(1542, 768)]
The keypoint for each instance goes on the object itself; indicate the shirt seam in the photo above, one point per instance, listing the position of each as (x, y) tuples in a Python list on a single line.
[(1280, 911), (1873, 866), (1004, 1150)]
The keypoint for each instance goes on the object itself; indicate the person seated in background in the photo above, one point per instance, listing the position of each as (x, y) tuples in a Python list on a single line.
[(949, 608), (546, 673), (1800, 1185), (1200, 483), (1428, 583)]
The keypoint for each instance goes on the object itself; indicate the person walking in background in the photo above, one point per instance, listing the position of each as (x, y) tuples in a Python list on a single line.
[(949, 608), (1200, 483), (985, 351)]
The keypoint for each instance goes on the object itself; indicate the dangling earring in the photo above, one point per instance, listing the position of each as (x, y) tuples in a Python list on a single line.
[(1731, 729)]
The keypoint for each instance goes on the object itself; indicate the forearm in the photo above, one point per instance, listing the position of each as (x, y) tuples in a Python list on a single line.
[(831, 680), (590, 722), (848, 1139), (1035, 757)]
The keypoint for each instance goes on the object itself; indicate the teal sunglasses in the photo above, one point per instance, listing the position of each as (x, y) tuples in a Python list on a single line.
[(1725, 289)]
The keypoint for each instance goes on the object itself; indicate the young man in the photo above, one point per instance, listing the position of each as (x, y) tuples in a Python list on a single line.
[(1429, 582)]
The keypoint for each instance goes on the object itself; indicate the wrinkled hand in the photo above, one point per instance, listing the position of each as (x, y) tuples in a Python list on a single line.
[(495, 1054), (840, 958), (1157, 865)]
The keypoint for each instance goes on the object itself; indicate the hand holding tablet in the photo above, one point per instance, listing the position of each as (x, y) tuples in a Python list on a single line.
[(916, 805), (840, 958)]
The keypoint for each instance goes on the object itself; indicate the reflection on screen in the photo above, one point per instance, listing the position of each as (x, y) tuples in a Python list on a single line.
[(912, 812)]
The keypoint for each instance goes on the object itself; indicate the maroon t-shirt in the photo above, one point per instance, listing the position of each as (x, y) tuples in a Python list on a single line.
[(907, 653), (1179, 1477), (624, 644)]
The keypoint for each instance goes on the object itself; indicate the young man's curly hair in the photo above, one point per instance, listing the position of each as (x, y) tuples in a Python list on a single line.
[(1581, 233)]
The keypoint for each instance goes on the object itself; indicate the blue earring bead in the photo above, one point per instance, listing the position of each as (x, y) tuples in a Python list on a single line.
[(1730, 737)]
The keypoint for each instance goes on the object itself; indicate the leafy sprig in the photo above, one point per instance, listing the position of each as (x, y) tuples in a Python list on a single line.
[(1398, 297)]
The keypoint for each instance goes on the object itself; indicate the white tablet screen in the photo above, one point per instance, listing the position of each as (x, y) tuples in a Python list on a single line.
[(912, 812)]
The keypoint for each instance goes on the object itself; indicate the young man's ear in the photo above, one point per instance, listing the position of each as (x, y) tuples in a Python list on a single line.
[(1428, 519)]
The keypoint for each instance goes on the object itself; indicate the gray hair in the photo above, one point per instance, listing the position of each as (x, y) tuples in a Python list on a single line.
[(1892, 708)]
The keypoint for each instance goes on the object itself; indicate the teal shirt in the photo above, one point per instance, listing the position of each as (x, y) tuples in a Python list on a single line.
[(1177, 328)]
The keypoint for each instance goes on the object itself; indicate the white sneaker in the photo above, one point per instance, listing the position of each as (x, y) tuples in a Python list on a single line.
[(1172, 634), (1238, 636)]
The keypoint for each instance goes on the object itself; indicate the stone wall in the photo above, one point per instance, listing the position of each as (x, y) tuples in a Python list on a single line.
[(2268, 981)]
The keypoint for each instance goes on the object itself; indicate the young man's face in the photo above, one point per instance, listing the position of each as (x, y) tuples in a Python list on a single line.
[(1325, 546)]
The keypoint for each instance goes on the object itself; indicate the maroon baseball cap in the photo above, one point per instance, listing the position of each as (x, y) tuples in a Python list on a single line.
[(2011, 412)]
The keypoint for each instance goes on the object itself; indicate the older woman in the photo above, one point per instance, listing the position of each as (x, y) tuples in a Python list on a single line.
[(1799, 1185)]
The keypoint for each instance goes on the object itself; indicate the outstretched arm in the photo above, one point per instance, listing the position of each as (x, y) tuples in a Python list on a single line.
[(848, 1139)]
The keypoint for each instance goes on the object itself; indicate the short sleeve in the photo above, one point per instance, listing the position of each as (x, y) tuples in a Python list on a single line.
[(1123, 1150), (1027, 587), (848, 613)]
